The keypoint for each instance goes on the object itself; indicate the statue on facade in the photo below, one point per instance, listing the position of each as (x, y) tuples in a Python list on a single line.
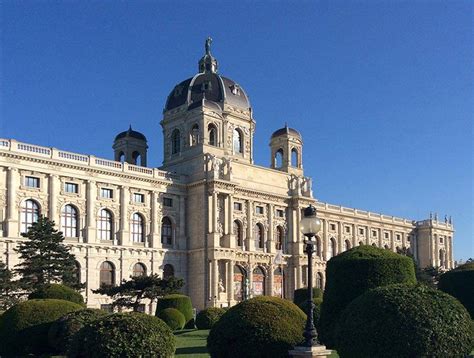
[(221, 286)]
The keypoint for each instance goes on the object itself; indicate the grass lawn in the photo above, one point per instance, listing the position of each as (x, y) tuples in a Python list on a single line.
[(191, 343)]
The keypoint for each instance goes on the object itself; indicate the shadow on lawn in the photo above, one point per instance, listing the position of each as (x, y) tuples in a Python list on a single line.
[(191, 350)]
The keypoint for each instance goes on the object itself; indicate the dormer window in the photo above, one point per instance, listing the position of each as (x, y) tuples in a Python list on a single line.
[(235, 89), (206, 86), (178, 91)]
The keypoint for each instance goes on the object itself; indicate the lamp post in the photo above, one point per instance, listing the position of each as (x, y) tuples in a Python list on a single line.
[(309, 227)]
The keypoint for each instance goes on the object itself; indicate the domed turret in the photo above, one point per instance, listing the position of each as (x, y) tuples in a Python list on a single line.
[(286, 146), (130, 146)]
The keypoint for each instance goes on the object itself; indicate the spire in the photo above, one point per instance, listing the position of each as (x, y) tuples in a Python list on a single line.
[(208, 63)]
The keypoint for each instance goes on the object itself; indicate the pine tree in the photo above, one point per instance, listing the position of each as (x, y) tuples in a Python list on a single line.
[(44, 257), (8, 288)]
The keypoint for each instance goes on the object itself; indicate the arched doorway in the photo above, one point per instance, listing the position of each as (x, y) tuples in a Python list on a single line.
[(239, 280), (278, 284), (258, 284)]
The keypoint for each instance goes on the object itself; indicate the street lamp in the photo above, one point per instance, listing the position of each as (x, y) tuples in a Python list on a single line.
[(309, 227)]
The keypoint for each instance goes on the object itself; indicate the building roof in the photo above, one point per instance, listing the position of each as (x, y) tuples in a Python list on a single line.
[(131, 134), (286, 130)]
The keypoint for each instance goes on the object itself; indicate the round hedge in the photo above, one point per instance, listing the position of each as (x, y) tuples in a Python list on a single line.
[(24, 327), (62, 331), (173, 318), (460, 284), (404, 321), (59, 292), (206, 318), (260, 327), (301, 295), (354, 272), (181, 302), (124, 335)]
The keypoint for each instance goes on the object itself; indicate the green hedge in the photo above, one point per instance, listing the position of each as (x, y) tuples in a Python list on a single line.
[(354, 272), (59, 292), (206, 318), (24, 327), (264, 327), (173, 318), (124, 335), (316, 311), (460, 284), (62, 331), (404, 321), (182, 303), (301, 295)]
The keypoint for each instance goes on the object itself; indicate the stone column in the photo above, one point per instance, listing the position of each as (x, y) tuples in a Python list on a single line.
[(271, 235), (230, 280), (182, 222), (214, 281), (124, 232), (271, 279), (215, 212), (13, 182), (53, 199), (248, 239), (154, 218), (325, 240), (91, 214), (436, 260)]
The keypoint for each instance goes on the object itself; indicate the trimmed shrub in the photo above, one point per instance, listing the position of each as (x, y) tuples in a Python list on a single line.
[(24, 327), (301, 295), (58, 292), (124, 335), (206, 318), (354, 272), (404, 321), (460, 284), (260, 327), (316, 312), (182, 303), (61, 332), (173, 318)]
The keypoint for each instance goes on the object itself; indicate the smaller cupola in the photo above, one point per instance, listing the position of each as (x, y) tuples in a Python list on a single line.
[(130, 146), (286, 145)]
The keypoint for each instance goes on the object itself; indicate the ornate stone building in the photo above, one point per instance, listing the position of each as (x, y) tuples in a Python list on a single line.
[(229, 227)]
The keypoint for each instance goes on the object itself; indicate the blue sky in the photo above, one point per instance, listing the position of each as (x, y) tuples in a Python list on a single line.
[(382, 91)]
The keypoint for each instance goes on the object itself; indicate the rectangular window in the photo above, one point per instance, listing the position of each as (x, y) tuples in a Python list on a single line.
[(348, 229), (387, 235), (399, 237), (168, 202), (259, 209), (280, 213), (71, 188), (361, 231), (107, 308), (138, 198), (238, 206), (374, 233), (106, 193), (32, 182), (440, 240), (333, 227), (408, 238)]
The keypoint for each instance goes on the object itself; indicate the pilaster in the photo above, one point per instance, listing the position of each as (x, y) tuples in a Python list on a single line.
[(124, 233), (13, 182), (91, 214), (53, 181)]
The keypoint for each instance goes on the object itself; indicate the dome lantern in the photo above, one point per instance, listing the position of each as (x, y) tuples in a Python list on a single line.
[(208, 63)]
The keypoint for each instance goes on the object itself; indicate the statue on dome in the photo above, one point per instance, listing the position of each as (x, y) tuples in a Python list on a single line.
[(208, 46)]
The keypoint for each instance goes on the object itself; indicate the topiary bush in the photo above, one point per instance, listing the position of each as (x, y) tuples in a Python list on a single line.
[(62, 331), (124, 335), (354, 272), (173, 318), (59, 292), (24, 327), (206, 318), (404, 321), (460, 284), (301, 295), (316, 311), (182, 303), (260, 327)]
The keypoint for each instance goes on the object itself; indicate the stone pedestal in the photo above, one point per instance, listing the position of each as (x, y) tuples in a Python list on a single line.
[(309, 352)]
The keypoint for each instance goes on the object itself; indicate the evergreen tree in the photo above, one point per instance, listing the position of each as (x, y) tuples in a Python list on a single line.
[(129, 294), (44, 257), (8, 288)]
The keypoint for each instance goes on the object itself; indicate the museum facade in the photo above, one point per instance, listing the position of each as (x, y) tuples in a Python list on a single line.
[(228, 227)]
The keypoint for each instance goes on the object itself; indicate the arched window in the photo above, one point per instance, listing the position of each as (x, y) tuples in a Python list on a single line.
[(166, 231), (258, 284), (175, 142), (30, 211), (239, 283), (69, 221), (105, 225), (318, 246), (238, 233), (278, 283), (107, 274), (136, 158), (294, 158), (237, 141), (168, 271), (194, 135), (347, 245), (374, 244), (259, 237), (280, 234), (279, 158), (331, 248), (138, 228), (319, 280), (139, 269), (386, 247), (121, 157), (212, 134), (361, 243)]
